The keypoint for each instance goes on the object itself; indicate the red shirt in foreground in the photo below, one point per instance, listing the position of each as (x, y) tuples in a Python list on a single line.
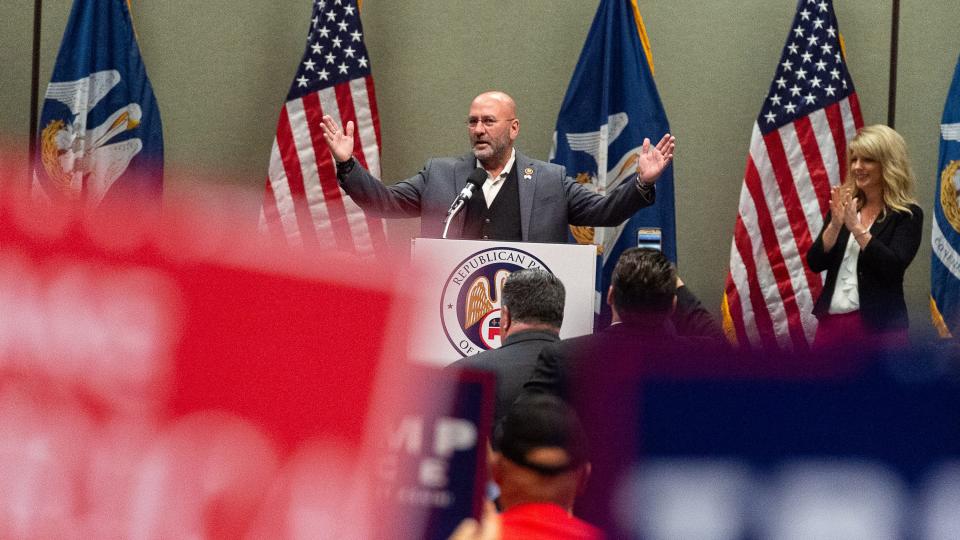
[(546, 521)]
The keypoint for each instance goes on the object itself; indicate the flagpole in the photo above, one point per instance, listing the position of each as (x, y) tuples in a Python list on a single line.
[(894, 47), (34, 82)]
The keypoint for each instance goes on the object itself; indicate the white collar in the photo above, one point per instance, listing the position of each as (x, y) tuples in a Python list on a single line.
[(506, 168)]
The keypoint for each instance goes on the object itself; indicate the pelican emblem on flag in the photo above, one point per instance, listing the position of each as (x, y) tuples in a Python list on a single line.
[(597, 143), (950, 179), (949, 190), (77, 159)]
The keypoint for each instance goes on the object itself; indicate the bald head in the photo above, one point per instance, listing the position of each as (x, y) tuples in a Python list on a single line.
[(500, 99)]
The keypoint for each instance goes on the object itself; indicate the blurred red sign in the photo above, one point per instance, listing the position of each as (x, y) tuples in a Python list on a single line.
[(175, 376)]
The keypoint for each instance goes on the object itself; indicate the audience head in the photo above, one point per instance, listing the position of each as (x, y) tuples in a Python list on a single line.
[(887, 148), (644, 286), (541, 453), (532, 298)]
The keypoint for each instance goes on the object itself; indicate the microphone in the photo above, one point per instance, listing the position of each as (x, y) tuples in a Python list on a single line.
[(476, 179)]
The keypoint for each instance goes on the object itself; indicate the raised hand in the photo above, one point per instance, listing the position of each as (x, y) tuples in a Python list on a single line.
[(340, 142), (851, 219), (836, 206), (653, 160)]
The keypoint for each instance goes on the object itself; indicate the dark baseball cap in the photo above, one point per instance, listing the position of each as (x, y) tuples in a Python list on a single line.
[(541, 421)]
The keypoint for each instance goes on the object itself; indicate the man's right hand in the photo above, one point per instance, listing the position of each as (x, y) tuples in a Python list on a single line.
[(340, 141)]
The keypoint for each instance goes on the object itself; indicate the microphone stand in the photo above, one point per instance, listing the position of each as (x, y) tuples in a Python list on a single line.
[(454, 208), (474, 181)]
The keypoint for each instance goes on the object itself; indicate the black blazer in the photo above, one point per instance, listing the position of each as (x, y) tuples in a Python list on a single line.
[(880, 268), (690, 318), (621, 352), (512, 364)]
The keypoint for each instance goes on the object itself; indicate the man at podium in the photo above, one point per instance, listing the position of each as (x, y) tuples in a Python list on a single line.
[(504, 194)]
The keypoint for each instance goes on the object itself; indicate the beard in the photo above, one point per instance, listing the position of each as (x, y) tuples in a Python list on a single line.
[(494, 148)]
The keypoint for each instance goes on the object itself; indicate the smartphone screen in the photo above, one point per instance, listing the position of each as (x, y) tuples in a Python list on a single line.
[(650, 238)]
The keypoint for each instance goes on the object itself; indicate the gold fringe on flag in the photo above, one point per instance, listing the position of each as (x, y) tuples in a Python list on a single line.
[(728, 328), (938, 321), (642, 30)]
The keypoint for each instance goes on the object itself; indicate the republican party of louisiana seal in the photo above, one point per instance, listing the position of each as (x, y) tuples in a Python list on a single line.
[(470, 302)]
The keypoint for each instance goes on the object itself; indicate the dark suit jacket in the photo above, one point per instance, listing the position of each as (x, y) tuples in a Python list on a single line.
[(880, 268), (692, 319), (549, 200), (573, 367), (512, 363), (601, 375)]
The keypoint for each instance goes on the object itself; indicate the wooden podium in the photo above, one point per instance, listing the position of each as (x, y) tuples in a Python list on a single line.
[(459, 284)]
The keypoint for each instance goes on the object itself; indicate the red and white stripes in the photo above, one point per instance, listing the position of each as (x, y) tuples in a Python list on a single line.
[(303, 203)]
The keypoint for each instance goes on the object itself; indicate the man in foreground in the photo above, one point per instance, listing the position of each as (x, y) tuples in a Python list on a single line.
[(602, 374), (530, 319), (642, 297), (541, 464)]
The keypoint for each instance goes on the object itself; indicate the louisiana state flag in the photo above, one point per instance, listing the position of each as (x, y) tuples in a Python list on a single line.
[(945, 236), (100, 133), (611, 105)]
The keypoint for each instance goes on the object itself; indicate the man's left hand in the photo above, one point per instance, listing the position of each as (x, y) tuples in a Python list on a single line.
[(654, 159)]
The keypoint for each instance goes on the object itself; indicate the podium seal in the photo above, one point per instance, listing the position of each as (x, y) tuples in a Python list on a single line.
[(470, 302)]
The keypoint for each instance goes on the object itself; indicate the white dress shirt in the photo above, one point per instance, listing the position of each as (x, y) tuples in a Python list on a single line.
[(846, 296), (492, 186)]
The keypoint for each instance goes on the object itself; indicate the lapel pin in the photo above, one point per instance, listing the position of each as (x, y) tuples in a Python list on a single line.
[(528, 173)]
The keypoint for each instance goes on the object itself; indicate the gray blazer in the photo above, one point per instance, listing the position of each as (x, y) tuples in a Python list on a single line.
[(549, 200)]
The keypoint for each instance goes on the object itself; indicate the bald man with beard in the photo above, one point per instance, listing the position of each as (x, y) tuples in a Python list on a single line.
[(522, 199)]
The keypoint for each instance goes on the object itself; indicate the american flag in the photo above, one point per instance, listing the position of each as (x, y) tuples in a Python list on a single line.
[(303, 203), (797, 152)]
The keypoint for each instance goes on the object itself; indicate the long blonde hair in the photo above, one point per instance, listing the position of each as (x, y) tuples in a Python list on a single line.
[(885, 146)]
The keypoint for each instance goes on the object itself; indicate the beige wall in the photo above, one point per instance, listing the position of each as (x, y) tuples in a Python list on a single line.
[(221, 69)]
